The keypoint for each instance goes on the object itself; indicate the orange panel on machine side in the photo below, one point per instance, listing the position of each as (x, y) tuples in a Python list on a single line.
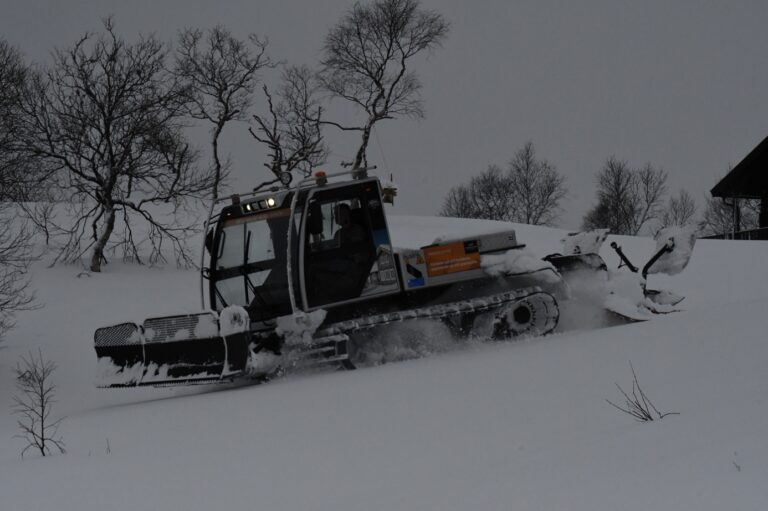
[(451, 258)]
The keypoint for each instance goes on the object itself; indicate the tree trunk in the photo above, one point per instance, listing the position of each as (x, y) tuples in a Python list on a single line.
[(101, 242), (216, 161), (360, 159)]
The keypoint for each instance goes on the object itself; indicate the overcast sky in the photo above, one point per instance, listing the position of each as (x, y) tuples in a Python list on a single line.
[(680, 84)]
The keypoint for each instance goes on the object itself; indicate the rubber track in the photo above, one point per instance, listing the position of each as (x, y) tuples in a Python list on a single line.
[(472, 306)]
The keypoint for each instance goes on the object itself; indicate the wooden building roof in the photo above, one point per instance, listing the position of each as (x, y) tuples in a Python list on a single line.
[(748, 179)]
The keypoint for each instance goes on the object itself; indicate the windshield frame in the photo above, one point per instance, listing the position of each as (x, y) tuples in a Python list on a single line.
[(223, 279)]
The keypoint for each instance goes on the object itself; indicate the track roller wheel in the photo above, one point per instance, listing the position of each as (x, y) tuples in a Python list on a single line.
[(534, 315)]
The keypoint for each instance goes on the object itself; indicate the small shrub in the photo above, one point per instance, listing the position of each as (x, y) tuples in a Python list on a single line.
[(33, 402), (637, 404)]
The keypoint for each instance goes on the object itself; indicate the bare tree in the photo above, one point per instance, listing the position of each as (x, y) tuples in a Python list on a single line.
[(537, 187), (19, 170), (107, 121), (627, 199), (488, 195), (680, 211), (651, 185), (458, 203), (12, 76), (292, 131), (15, 257), (15, 167), (720, 215), (15, 251), (41, 213), (750, 212), (529, 192), (614, 203), (33, 405), (717, 217), (221, 72), (367, 61)]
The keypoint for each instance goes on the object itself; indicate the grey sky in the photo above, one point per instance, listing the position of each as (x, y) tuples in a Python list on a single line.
[(679, 84)]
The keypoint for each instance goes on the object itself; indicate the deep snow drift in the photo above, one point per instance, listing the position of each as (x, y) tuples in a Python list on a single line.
[(518, 425)]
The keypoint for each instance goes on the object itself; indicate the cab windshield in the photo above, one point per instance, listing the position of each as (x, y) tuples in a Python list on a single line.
[(249, 265)]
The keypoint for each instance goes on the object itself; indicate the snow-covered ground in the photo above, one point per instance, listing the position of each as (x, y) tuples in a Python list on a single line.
[(518, 425)]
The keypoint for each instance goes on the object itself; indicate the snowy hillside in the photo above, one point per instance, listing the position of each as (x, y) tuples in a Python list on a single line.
[(518, 425)]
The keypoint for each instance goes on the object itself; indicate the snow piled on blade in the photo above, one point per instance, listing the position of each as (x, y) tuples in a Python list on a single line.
[(672, 263), (588, 242), (625, 295), (627, 298), (206, 327), (517, 261), (298, 328), (107, 373), (233, 320)]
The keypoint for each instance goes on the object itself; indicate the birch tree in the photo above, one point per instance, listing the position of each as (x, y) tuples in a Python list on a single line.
[(537, 188), (292, 130), (367, 58), (107, 120), (221, 73), (529, 192)]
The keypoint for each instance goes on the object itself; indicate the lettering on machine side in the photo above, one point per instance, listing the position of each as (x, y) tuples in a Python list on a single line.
[(451, 258)]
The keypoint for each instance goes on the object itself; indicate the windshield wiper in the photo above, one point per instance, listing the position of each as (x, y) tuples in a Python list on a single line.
[(256, 293), (218, 293)]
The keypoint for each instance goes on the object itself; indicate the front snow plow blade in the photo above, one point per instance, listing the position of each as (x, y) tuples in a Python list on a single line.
[(184, 349)]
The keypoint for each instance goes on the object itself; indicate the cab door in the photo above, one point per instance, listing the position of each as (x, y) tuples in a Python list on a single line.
[(346, 250)]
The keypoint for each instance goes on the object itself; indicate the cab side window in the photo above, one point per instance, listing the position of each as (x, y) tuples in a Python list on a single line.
[(328, 220), (340, 251)]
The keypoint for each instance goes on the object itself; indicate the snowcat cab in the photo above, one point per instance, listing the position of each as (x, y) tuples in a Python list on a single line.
[(342, 251)]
